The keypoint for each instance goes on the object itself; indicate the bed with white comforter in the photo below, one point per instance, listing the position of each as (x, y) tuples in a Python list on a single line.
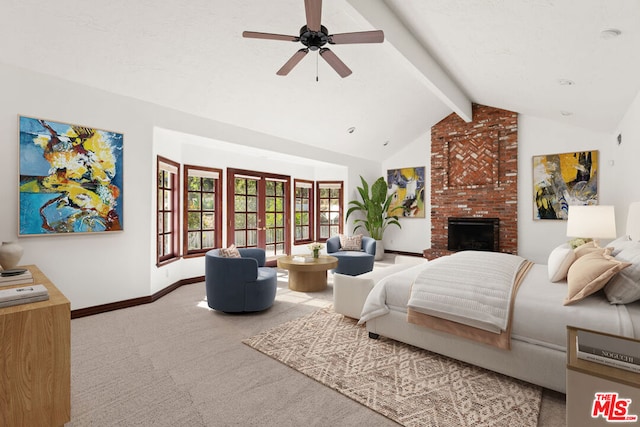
[(538, 319)]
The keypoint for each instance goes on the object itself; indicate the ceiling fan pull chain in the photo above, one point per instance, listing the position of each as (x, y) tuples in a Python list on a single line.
[(317, 55)]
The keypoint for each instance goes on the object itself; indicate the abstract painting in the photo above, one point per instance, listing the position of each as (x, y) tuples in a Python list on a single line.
[(407, 187), (561, 180), (70, 178)]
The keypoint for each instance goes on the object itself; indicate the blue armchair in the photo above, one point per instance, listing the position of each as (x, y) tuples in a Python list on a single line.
[(236, 285), (353, 263)]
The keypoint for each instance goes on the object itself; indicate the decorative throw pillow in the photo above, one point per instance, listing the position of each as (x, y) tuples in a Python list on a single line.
[(588, 248), (560, 259), (351, 243), (590, 273), (230, 252), (625, 286)]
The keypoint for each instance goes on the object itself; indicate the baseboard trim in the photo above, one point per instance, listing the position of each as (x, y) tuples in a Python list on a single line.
[(97, 309), (388, 251)]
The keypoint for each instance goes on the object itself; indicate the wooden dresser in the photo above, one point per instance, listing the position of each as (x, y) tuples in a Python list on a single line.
[(35, 359)]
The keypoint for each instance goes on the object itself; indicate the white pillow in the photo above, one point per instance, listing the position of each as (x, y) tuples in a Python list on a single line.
[(619, 244), (625, 286), (560, 259)]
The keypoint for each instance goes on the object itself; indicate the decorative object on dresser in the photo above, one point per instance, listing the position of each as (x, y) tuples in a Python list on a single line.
[(17, 276), (10, 254), (560, 180)]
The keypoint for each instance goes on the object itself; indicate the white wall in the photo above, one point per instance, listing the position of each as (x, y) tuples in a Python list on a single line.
[(536, 238), (95, 269), (415, 234)]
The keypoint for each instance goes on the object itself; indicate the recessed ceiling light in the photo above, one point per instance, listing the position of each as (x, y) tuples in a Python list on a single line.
[(385, 143), (351, 129), (610, 33), (566, 82), (566, 113)]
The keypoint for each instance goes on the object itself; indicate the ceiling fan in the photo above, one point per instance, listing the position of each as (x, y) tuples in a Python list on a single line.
[(314, 36)]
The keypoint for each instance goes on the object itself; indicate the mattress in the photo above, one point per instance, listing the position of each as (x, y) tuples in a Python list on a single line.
[(539, 315)]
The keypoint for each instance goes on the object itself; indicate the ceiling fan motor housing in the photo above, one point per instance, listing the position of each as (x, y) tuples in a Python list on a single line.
[(314, 40)]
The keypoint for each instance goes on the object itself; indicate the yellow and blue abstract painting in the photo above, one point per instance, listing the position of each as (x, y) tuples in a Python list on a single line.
[(562, 180), (407, 187), (70, 178)]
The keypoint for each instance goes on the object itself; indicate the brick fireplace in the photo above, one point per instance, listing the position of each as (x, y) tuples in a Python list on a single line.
[(474, 174)]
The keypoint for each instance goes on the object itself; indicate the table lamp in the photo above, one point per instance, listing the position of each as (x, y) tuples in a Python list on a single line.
[(591, 221)]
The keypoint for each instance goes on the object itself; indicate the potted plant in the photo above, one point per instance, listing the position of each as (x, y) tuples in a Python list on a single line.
[(375, 208)]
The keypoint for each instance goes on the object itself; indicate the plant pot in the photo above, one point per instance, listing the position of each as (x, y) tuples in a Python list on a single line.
[(10, 254), (379, 250)]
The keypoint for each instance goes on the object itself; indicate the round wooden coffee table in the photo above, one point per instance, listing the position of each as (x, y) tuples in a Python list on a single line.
[(308, 276)]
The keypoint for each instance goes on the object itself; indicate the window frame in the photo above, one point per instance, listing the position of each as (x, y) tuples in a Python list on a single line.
[(311, 211), (216, 174), (329, 184), (173, 168)]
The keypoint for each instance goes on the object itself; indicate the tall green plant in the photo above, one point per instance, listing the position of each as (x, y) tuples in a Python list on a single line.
[(375, 208)]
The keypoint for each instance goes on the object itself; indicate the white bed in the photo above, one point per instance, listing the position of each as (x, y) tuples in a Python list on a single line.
[(538, 329)]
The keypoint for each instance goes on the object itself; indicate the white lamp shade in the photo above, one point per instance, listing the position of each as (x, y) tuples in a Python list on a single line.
[(593, 221)]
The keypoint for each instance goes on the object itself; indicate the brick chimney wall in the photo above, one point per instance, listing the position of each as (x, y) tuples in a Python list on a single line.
[(474, 173)]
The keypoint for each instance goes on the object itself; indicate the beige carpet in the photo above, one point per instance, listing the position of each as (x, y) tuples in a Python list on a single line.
[(411, 386)]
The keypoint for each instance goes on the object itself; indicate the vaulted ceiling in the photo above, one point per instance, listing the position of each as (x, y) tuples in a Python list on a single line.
[(546, 58)]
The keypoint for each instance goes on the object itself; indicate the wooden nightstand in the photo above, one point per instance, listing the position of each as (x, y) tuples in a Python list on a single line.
[(588, 381)]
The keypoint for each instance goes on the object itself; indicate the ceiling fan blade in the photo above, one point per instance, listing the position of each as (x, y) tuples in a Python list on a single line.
[(313, 10), (376, 36), (269, 36), (292, 62), (335, 62)]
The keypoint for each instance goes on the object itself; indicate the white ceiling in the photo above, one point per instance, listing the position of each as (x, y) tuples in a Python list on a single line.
[(189, 55)]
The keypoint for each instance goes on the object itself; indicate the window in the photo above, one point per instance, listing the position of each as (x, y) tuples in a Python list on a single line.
[(202, 209), (167, 210), (303, 212), (329, 210)]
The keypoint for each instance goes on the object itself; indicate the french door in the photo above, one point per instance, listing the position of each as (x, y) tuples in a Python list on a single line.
[(258, 211)]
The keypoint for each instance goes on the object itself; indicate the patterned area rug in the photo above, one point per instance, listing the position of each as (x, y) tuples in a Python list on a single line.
[(409, 385)]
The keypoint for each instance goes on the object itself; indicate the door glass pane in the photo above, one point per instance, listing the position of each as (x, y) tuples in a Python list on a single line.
[(252, 220), (207, 184), (240, 221), (252, 204), (240, 204), (252, 187), (240, 239), (208, 201), (252, 238)]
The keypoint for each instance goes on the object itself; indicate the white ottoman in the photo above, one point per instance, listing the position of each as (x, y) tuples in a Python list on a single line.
[(350, 292)]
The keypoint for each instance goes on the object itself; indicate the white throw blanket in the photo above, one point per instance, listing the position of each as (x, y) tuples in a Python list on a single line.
[(470, 287)]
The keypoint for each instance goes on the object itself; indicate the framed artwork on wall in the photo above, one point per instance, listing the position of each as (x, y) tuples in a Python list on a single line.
[(561, 180), (407, 187), (70, 178)]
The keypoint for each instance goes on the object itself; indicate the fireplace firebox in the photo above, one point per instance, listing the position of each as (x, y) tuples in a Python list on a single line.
[(479, 234)]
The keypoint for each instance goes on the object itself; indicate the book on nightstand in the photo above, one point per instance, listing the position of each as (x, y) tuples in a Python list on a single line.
[(608, 350), (23, 295), (15, 277)]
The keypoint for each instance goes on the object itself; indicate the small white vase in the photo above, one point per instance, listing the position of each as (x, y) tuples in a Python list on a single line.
[(10, 254)]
